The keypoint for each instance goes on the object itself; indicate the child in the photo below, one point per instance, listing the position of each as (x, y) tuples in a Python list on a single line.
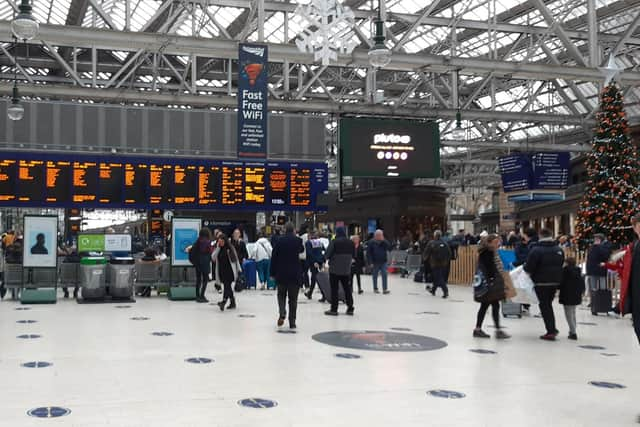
[(571, 291)]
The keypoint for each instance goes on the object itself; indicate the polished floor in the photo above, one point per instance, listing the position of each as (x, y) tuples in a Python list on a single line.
[(110, 370)]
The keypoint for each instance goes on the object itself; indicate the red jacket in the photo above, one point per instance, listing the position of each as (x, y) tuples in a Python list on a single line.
[(623, 268)]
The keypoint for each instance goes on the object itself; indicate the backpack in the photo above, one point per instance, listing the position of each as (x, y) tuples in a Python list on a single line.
[(193, 253), (440, 253)]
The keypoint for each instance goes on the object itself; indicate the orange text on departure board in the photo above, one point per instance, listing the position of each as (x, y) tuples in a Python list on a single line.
[(254, 188), (300, 187), (206, 179)]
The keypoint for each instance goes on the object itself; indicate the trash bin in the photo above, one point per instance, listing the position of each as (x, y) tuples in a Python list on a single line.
[(92, 277), (121, 277)]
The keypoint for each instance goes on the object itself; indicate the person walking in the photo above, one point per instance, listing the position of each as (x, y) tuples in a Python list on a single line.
[(340, 255), (263, 259), (358, 262), (287, 272), (201, 260), (304, 235), (598, 255), (315, 259), (438, 256), (239, 245), (227, 269), (490, 267), (377, 251), (544, 265), (571, 292)]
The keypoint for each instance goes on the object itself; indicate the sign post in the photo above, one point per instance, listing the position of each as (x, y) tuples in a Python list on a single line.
[(252, 101)]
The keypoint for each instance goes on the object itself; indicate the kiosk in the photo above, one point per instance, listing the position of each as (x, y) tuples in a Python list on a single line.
[(184, 232), (39, 260)]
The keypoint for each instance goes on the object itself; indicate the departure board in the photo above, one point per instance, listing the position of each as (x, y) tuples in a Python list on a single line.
[(300, 186), (185, 185), (31, 180), (135, 184), (254, 184), (232, 177), (110, 182), (278, 186), (85, 182), (7, 182), (77, 180), (58, 182)]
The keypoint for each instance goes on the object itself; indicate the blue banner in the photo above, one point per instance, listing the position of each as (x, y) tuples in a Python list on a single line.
[(252, 101)]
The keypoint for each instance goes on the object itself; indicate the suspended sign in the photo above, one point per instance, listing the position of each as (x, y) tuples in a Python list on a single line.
[(252, 101)]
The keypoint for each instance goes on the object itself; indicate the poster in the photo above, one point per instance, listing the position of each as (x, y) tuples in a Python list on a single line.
[(252, 101), (184, 231), (40, 241), (91, 243), (117, 243)]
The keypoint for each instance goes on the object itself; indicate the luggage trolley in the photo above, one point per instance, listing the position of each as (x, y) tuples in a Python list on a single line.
[(414, 263), (398, 261)]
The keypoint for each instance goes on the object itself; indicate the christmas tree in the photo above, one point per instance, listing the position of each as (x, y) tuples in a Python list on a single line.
[(611, 195)]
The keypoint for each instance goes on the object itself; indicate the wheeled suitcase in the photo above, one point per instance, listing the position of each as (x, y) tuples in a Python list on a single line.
[(419, 276), (249, 270), (325, 286), (511, 309), (601, 301)]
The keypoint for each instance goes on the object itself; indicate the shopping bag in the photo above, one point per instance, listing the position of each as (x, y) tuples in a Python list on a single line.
[(524, 287)]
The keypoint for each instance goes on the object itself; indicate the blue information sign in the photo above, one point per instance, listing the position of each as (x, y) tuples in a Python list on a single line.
[(252, 101), (516, 172), (550, 171), (539, 171)]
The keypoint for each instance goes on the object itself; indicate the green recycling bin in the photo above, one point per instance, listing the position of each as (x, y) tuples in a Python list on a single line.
[(92, 277)]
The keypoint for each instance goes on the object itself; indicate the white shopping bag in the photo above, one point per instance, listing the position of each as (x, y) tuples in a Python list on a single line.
[(524, 287)]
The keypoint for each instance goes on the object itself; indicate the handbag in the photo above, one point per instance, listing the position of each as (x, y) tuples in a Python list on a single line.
[(488, 290), (480, 285), (241, 283)]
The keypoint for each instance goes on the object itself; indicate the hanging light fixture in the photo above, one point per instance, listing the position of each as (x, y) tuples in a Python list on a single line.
[(379, 54), (15, 111), (458, 133), (24, 26)]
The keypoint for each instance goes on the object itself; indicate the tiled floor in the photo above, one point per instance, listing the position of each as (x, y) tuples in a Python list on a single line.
[(111, 371)]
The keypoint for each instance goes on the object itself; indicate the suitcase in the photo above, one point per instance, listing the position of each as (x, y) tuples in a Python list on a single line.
[(249, 270), (601, 301), (325, 286), (511, 309), (418, 276)]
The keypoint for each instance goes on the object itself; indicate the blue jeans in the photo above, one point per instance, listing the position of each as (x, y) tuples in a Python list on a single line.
[(382, 269)]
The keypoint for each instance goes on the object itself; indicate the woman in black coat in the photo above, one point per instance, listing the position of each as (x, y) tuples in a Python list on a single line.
[(490, 265), (571, 292)]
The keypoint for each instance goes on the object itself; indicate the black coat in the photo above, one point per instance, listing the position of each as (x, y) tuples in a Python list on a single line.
[(598, 254), (358, 259), (544, 263), (572, 286), (285, 261)]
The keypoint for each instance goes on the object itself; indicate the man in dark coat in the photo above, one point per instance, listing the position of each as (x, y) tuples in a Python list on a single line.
[(438, 256), (377, 249), (544, 265), (599, 254), (340, 255), (287, 271), (529, 240)]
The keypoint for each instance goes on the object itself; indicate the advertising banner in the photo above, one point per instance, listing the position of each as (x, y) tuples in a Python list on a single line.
[(40, 241), (252, 101), (184, 232), (91, 243)]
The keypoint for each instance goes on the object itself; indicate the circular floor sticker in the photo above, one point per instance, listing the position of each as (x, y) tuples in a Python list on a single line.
[(592, 347), (446, 394), (246, 316), (162, 334), (587, 323), (123, 306), (36, 364), (610, 354), (401, 329), (482, 351), (26, 321), (605, 384), (29, 336), (48, 412), (434, 313), (258, 403), (199, 360), (413, 294), (456, 300), (22, 308), (348, 356), (379, 341), (140, 318), (286, 331)]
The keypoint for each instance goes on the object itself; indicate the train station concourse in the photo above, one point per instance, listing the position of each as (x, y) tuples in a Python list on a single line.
[(319, 213)]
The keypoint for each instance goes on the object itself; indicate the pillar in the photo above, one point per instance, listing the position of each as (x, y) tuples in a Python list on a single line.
[(556, 226), (572, 223)]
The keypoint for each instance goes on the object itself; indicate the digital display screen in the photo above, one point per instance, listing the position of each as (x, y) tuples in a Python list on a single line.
[(389, 148), (75, 180), (535, 171)]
